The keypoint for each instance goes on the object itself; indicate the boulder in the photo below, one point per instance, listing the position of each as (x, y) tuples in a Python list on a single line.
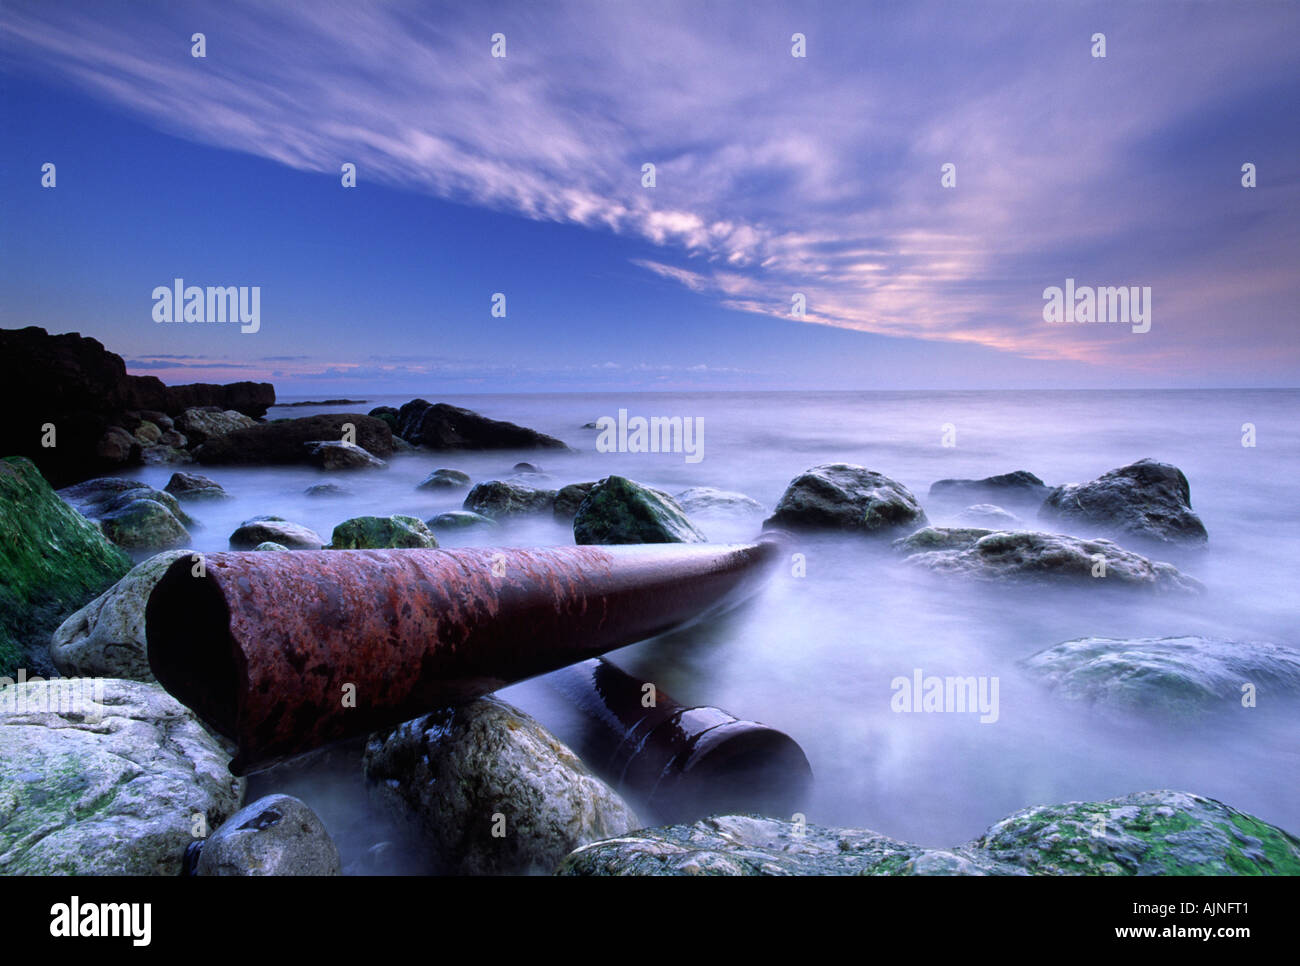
[(281, 441), (378, 533), (53, 560), (568, 499), (388, 414), (842, 496), (617, 511), (273, 529), (105, 777), (1168, 676), (269, 545), (1030, 555), (443, 427), (147, 432), (327, 489), (154, 455), (1020, 488), (132, 514), (164, 422), (522, 467), (193, 486), (201, 425), (341, 455), (1146, 500), (989, 516), (444, 479), (275, 835), (497, 499), (456, 776), (117, 447), (106, 638), (460, 520), (709, 501)]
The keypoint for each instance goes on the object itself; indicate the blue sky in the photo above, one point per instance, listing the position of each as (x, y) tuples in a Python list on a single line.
[(775, 175)]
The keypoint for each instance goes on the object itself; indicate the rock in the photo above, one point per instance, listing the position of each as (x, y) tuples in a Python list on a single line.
[(990, 516), (1020, 488), (327, 489), (1170, 676), (147, 432), (340, 455), (1147, 500), (153, 455), (201, 425), (388, 414), (748, 845), (617, 510), (454, 775), (525, 468), (107, 783), (591, 425), (378, 533), (117, 447), (272, 529), (281, 441), (53, 560), (193, 486), (841, 496), (1148, 833), (173, 439), (269, 545), (568, 499), (497, 499), (443, 427), (1033, 555), (444, 480), (459, 520), (106, 637), (164, 422), (132, 514), (709, 501), (275, 835)]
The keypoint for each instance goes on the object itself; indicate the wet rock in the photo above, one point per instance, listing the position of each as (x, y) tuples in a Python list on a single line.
[(444, 479), (388, 414), (497, 499), (989, 516), (378, 533), (269, 545), (1168, 676), (107, 783), (618, 510), (327, 489), (568, 499), (53, 560), (275, 835), (443, 427), (455, 776), (117, 447), (525, 468), (1147, 500), (194, 486), (842, 496), (132, 514), (273, 529), (1013, 555), (709, 501), (280, 442), (460, 520), (201, 425), (1021, 488), (164, 422), (147, 432), (154, 455), (340, 455), (106, 638)]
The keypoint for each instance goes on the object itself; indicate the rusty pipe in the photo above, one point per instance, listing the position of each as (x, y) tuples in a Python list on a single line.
[(285, 652), (682, 763)]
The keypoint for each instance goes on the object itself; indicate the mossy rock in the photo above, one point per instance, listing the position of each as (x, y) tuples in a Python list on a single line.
[(619, 511), (380, 533)]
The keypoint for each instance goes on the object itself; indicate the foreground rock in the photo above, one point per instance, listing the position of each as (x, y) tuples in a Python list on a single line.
[(132, 514), (106, 637), (618, 511), (341, 455), (379, 533), (444, 479), (201, 425), (194, 486), (53, 560), (1012, 555), (842, 496), (1149, 833), (439, 426), (1148, 500), (1172, 676), (275, 835), (283, 441), (709, 501), (455, 776), (1021, 488), (568, 499), (273, 529), (497, 499), (107, 784), (460, 520)]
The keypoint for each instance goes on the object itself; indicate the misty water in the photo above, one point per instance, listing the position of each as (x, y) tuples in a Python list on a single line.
[(815, 655)]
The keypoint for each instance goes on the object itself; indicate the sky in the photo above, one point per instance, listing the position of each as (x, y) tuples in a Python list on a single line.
[(774, 175)]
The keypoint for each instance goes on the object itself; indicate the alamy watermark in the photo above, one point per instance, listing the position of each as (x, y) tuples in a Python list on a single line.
[(81, 696), (1127, 305), (656, 434), (216, 303), (931, 693)]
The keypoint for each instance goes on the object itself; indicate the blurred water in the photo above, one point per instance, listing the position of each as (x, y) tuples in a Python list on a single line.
[(815, 655)]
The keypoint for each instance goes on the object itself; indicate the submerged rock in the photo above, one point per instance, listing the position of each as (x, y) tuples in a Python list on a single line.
[(132, 514), (618, 510), (497, 499), (273, 529), (379, 533), (460, 520), (1147, 499), (327, 489), (1032, 555), (842, 496), (439, 426), (568, 499), (106, 638), (1167, 675), (108, 783), (1021, 488), (275, 835), (444, 479), (53, 560), (457, 776), (281, 441), (341, 455), (709, 501), (990, 516), (194, 486)]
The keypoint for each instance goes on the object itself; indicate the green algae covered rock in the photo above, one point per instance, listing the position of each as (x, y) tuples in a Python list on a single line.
[(618, 511), (53, 560), (379, 533)]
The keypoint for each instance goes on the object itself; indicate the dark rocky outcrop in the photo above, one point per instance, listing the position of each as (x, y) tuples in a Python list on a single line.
[(842, 496), (1147, 500), (283, 441), (443, 427)]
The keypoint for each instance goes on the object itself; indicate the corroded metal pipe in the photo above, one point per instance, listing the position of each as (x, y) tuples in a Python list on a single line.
[(683, 763), (284, 652)]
